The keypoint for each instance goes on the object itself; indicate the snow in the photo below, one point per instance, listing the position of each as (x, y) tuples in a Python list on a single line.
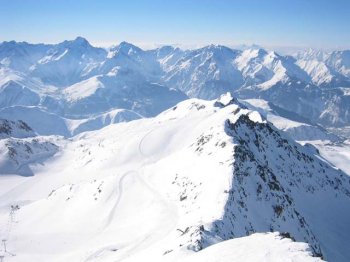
[(83, 89), (318, 70), (84, 176), (16, 129), (298, 130), (257, 247), (336, 153), (73, 74), (160, 186), (56, 125)]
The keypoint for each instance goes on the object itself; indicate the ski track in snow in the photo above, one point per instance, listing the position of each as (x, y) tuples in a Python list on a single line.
[(119, 193), (152, 237)]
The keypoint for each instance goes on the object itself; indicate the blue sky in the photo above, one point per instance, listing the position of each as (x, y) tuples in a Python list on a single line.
[(273, 23)]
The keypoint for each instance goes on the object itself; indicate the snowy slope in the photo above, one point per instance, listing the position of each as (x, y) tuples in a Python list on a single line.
[(131, 59), (206, 72), (68, 62), (17, 129), (119, 89), (20, 56), (46, 123), (336, 153), (20, 147), (66, 78), (327, 69), (297, 127), (99, 121), (160, 189), (17, 154), (257, 247)]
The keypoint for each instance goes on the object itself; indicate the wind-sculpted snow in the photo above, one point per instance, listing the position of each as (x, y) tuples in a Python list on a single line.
[(177, 186)]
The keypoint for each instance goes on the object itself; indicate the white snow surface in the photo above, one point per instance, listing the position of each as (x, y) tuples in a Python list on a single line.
[(298, 129), (162, 188), (83, 89), (256, 247)]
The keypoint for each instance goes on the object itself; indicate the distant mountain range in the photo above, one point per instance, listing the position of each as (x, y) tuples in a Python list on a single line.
[(73, 79)]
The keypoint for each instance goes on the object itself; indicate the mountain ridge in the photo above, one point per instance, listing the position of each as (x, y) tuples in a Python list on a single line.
[(318, 81), (199, 155)]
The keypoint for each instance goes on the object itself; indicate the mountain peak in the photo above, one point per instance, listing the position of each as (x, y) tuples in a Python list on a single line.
[(126, 47), (255, 53), (77, 42), (213, 47), (81, 40)]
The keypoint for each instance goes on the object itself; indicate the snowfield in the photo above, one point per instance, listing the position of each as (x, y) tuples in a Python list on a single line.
[(178, 187)]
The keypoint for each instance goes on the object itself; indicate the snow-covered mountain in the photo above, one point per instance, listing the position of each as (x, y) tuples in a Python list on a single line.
[(103, 156), (68, 62), (327, 69), (20, 146), (166, 188), (67, 77), (298, 127), (205, 72), (46, 123), (18, 129)]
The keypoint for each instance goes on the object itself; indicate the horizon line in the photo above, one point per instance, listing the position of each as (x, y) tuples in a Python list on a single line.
[(186, 46)]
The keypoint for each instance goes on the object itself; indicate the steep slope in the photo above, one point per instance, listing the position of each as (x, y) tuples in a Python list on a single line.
[(257, 247), (206, 72), (274, 175), (43, 122), (56, 125), (327, 69), (20, 147), (298, 127), (99, 121), (20, 56), (336, 153), (17, 88), (18, 129), (68, 62), (131, 58), (328, 107), (168, 56), (263, 68), (119, 89), (197, 174), (315, 81)]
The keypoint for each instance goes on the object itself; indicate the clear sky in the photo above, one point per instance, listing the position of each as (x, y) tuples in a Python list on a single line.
[(279, 23)]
